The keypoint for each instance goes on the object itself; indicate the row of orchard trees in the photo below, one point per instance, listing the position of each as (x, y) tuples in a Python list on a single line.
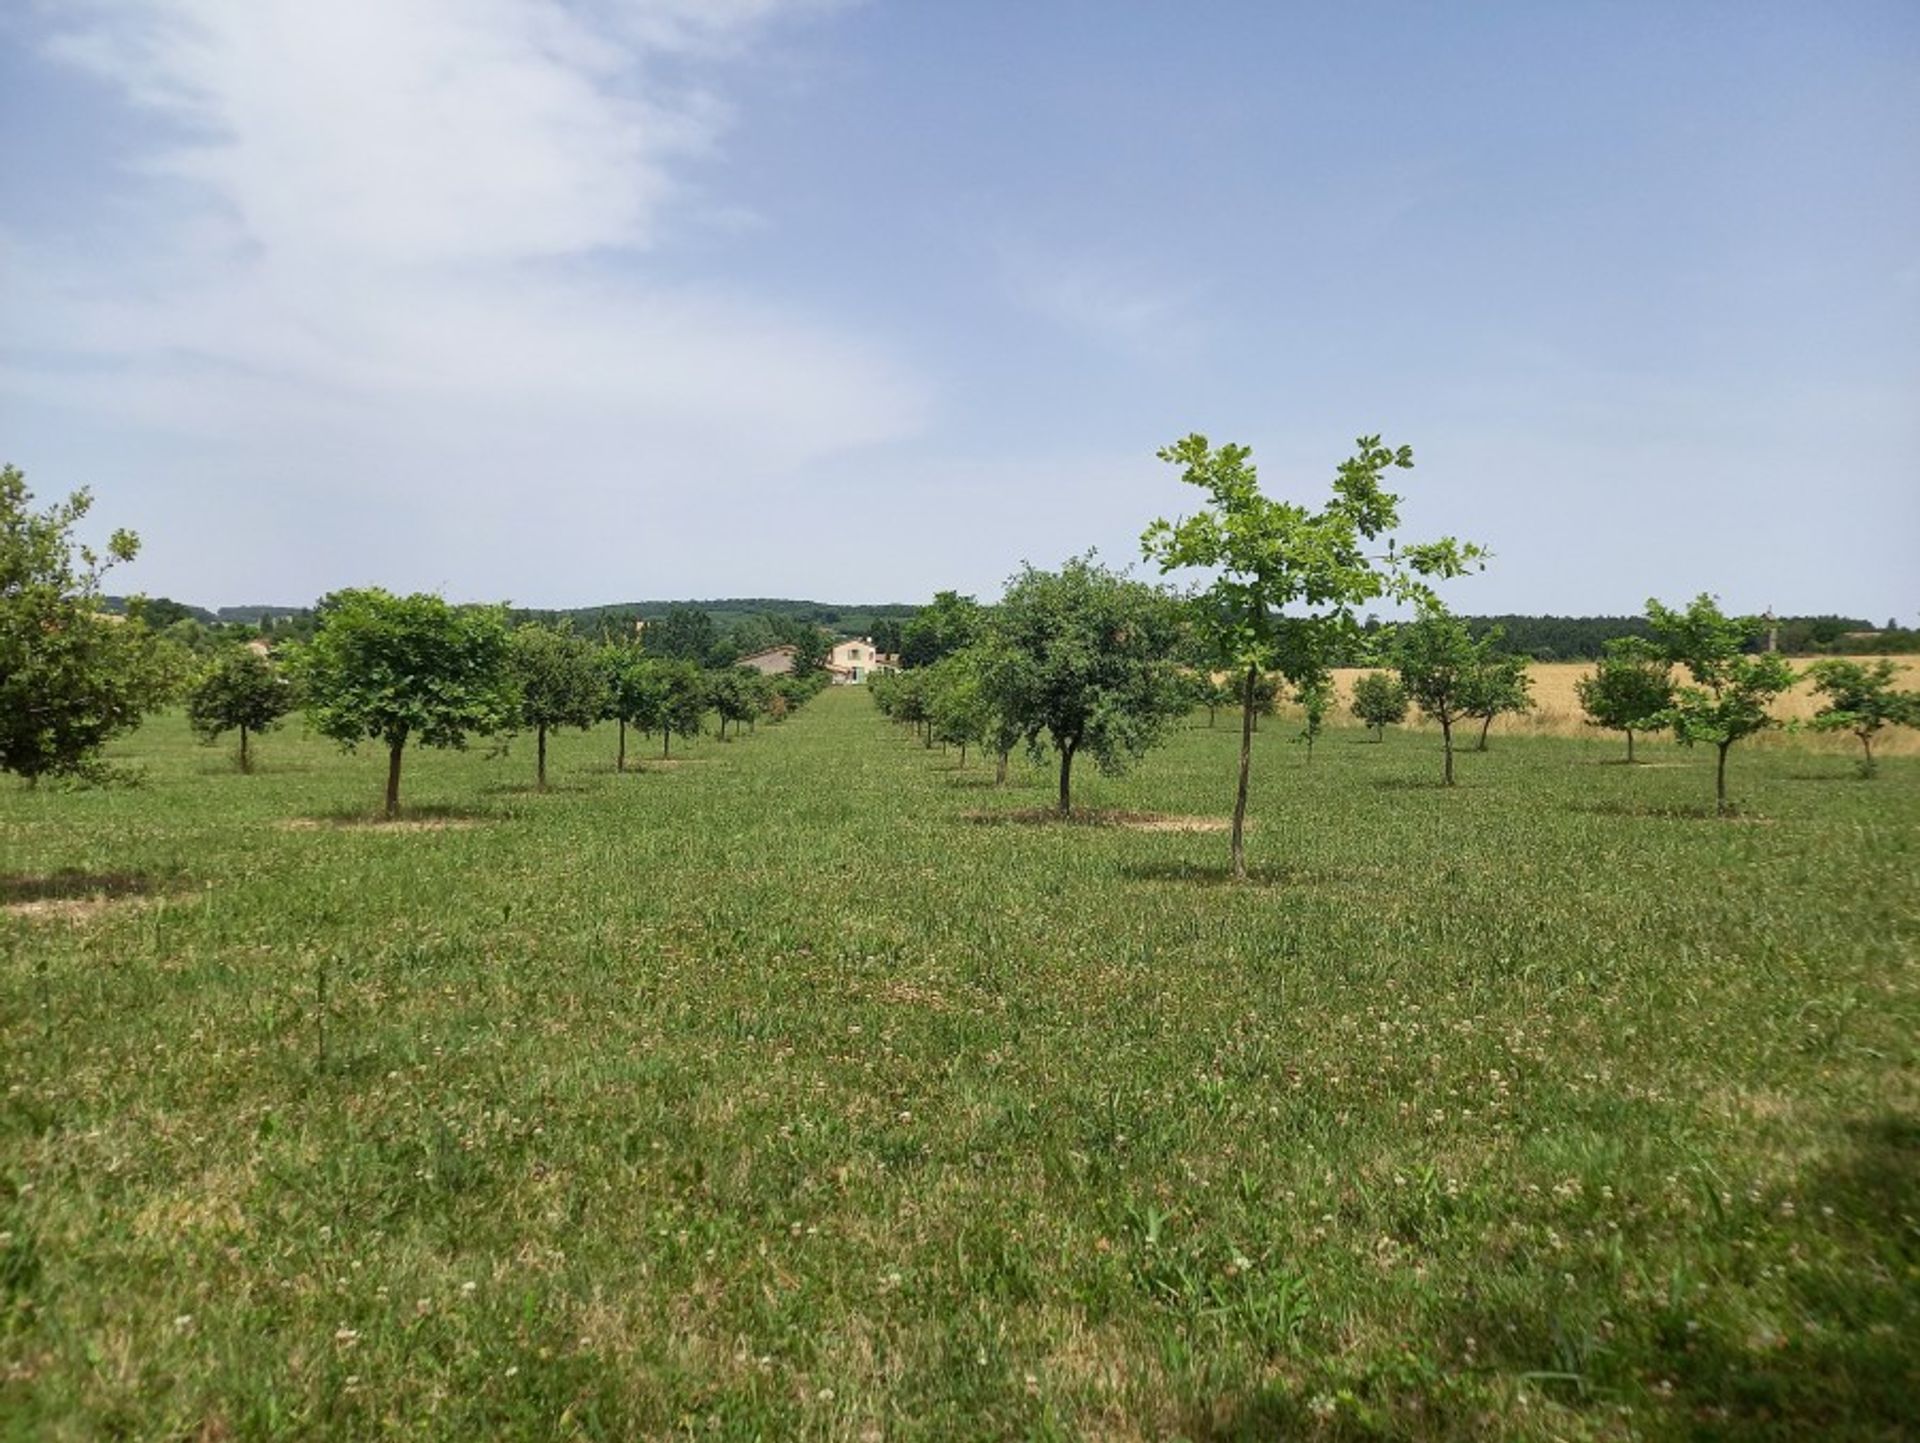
[(1731, 687), (392, 670), (1087, 662)]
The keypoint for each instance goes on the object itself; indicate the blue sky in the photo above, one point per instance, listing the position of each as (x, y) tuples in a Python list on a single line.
[(575, 302)]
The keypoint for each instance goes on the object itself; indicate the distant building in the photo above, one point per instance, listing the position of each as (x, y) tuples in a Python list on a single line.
[(852, 662), (770, 660)]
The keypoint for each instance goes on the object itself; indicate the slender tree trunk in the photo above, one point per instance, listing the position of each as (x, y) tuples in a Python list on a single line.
[(1629, 731), (1485, 722), (1446, 745), (1720, 780), (1211, 713), (246, 762), (1309, 748), (666, 741), (1000, 771), (963, 756), (1866, 743), (1239, 848), (540, 763), (394, 748), (620, 762), (1066, 779)]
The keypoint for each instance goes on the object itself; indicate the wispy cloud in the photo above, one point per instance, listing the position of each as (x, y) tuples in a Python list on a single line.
[(1116, 303), (401, 219)]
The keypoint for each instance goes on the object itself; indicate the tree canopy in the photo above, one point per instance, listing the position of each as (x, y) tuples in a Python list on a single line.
[(394, 669), (239, 690), (1630, 689), (1081, 659), (558, 682), (1287, 579), (1732, 688), (1861, 698), (71, 678)]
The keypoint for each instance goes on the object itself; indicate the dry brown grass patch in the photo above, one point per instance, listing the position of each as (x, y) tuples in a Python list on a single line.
[(381, 824), (1095, 817)]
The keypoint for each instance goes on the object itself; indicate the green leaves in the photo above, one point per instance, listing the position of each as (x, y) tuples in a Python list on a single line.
[(393, 668), (1732, 689), (71, 679), (558, 677)]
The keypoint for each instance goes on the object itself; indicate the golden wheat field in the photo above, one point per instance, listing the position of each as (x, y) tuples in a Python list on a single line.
[(1557, 709)]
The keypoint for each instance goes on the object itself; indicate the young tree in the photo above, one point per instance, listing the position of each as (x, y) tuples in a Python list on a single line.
[(1379, 701), (1272, 556), (684, 709), (636, 692), (957, 701), (1631, 687), (1081, 658), (1861, 699), (732, 693), (1315, 696), (70, 679), (1731, 689), (1438, 661), (1500, 684), (392, 669), (242, 691), (559, 683)]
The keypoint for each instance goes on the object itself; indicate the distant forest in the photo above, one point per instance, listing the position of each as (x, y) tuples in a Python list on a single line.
[(752, 618)]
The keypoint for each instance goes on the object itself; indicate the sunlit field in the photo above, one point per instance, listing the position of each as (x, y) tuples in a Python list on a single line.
[(781, 1093), (1557, 710)]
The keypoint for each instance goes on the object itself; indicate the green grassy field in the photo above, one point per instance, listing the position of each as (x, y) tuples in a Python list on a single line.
[(771, 1096)]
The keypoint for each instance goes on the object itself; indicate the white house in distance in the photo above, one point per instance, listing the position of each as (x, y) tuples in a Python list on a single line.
[(852, 662)]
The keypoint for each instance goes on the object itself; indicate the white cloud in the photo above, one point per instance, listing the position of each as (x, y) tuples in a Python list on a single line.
[(391, 221)]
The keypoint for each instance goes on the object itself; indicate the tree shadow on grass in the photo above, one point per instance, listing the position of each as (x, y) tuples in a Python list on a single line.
[(432, 817), (1841, 1364), (1414, 784), (531, 789), (1669, 811), (77, 886), (1219, 874)]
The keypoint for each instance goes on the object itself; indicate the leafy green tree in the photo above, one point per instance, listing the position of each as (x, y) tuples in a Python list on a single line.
[(1732, 688), (559, 683), (1379, 701), (70, 679), (945, 625), (636, 692), (1439, 663), (685, 633), (734, 695), (684, 709), (1315, 696), (1081, 659), (1862, 699), (393, 669), (1630, 689), (1286, 578), (957, 705), (1500, 686), (239, 690)]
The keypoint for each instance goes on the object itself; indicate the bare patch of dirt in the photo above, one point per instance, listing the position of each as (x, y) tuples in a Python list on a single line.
[(74, 896), (1090, 817), (381, 824)]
